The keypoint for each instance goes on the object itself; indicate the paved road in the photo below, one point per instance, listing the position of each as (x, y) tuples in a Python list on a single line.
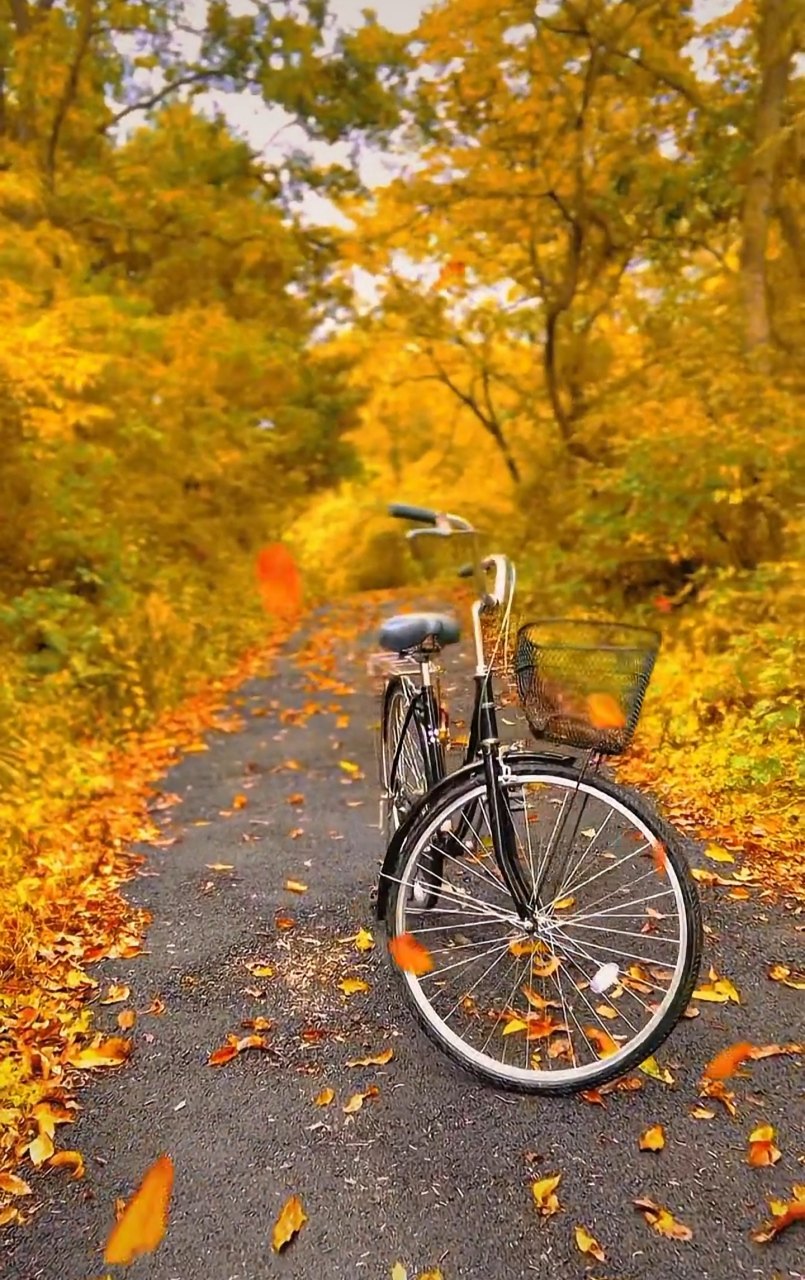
[(437, 1169)]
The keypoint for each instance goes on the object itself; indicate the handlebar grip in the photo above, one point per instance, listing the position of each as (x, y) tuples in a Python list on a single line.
[(402, 511), (466, 571)]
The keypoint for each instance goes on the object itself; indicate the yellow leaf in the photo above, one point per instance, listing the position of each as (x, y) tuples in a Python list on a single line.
[(324, 1098), (588, 1244), (398, 1272), (144, 1220), (762, 1149), (514, 1025), (349, 767), (364, 940), (295, 886), (13, 1186), (563, 903), (115, 994), (663, 1221), (653, 1139), (291, 1220), (544, 1193), (41, 1149), (715, 854), (352, 986), (652, 1068), (107, 1053)]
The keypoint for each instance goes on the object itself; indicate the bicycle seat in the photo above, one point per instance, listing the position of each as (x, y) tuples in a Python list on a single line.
[(409, 631)]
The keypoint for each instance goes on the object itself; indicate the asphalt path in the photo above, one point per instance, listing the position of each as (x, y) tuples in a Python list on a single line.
[(436, 1170)]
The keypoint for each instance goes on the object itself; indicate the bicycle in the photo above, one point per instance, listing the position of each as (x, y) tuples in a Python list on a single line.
[(494, 870)]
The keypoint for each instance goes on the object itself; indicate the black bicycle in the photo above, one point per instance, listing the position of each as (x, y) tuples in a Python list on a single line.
[(554, 923)]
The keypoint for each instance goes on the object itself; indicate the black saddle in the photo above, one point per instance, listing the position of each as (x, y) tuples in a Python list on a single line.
[(406, 632)]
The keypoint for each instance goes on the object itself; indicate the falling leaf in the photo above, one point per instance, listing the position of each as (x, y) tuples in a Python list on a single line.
[(784, 1214), (324, 1098), (68, 1160), (725, 1063), (14, 1186), (545, 1197), (144, 1220), (116, 994), (663, 1221), (291, 1220), (107, 1053), (588, 1244), (377, 1060), (126, 1019), (295, 886), (652, 1068), (762, 1151), (604, 712), (279, 582), (715, 854), (410, 955), (653, 1139), (789, 978), (353, 986)]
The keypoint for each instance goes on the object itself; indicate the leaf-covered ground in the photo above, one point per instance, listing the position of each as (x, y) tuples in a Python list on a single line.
[(261, 1042)]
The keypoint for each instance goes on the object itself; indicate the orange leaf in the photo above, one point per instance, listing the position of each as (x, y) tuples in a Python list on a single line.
[(68, 1160), (240, 802), (279, 581), (291, 1220), (409, 954), (13, 1186), (794, 1211), (660, 857), (126, 1019), (725, 1063), (762, 1151), (324, 1098), (376, 1060), (145, 1218), (604, 712), (223, 1055), (283, 921), (603, 1042)]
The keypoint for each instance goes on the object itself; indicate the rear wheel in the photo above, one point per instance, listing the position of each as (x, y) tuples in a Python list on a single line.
[(407, 782), (601, 971)]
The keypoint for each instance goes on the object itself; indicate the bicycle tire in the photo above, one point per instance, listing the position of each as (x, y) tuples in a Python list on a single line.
[(428, 821)]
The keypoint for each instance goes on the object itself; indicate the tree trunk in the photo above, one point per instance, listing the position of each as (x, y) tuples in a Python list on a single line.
[(775, 58)]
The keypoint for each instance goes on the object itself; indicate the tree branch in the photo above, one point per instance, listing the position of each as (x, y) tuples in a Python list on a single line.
[(84, 36), (145, 104)]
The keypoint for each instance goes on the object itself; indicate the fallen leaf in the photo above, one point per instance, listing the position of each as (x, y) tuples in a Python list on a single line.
[(349, 767), (593, 1096), (718, 989), (663, 1221), (106, 1053), (259, 970), (296, 799), (775, 1050), (788, 977), (257, 1024), (659, 856), (296, 832), (725, 1063), (545, 1197), (324, 1098), (9, 1214), (715, 854), (398, 1272), (240, 801), (762, 1151), (68, 1160), (14, 1186), (283, 921), (126, 1019), (356, 1101), (220, 866), (409, 954), (513, 1026), (41, 1149), (144, 1220), (225, 1054), (588, 1244), (653, 1139), (377, 1060), (157, 1006), (116, 994), (652, 1068), (718, 1090), (563, 904), (784, 1214), (702, 1113), (291, 1220), (602, 1040), (364, 940), (353, 986), (295, 886)]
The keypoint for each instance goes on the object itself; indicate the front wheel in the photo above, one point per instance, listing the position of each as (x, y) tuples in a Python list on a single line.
[(599, 973)]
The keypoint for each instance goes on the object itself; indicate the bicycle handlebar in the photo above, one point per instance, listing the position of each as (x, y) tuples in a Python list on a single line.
[(402, 511), (441, 521)]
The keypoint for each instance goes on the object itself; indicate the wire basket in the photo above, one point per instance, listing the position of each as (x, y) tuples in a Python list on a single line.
[(582, 683)]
